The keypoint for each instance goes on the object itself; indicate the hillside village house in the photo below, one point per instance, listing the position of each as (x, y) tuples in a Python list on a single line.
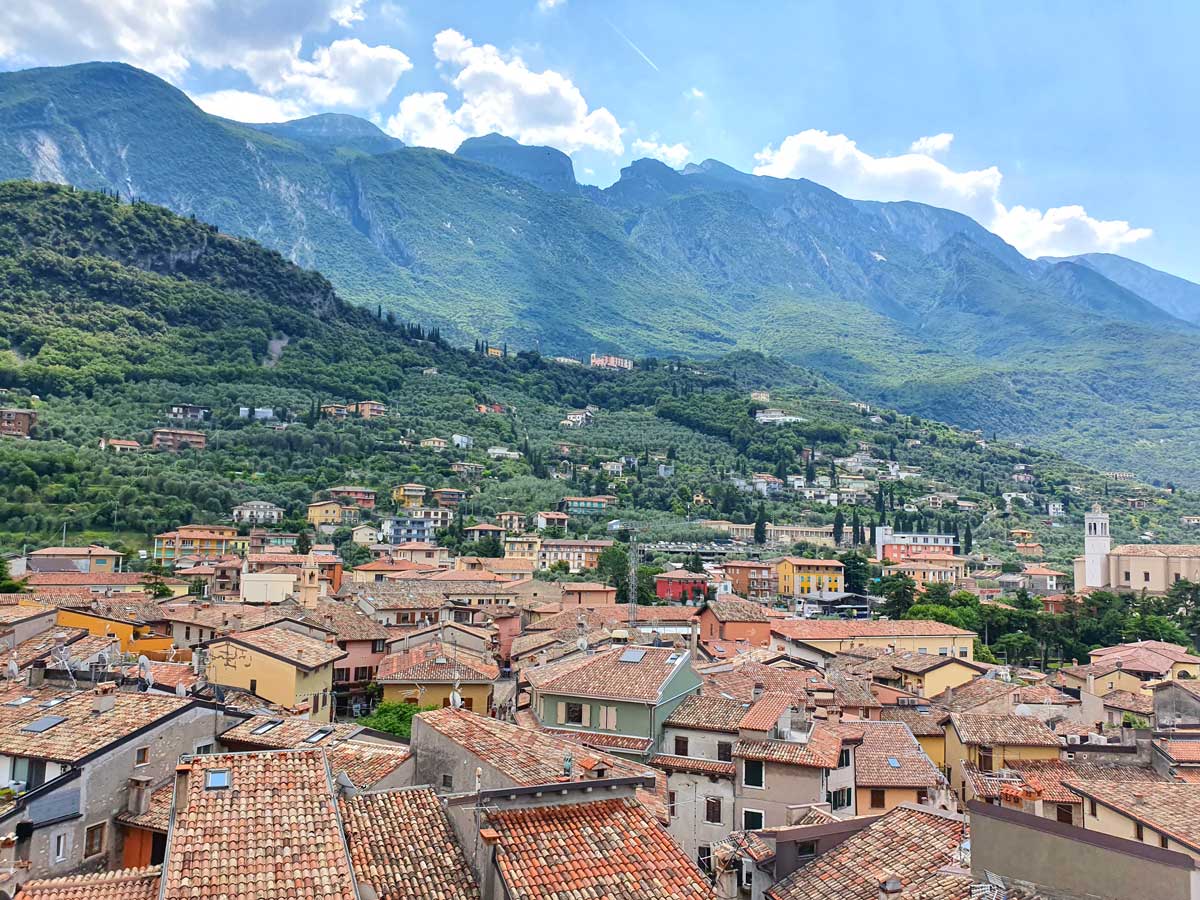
[(577, 554), (550, 519), (899, 547), (734, 620), (92, 558), (821, 535), (120, 445), (358, 496), (196, 540), (435, 443), (175, 439), (610, 362), (923, 573), (409, 496), (586, 506), (448, 498), (522, 546), (978, 743), (616, 699), (429, 674), (189, 412), (331, 514), (798, 577), (17, 422), (257, 512), (512, 522), (279, 665), (751, 578)]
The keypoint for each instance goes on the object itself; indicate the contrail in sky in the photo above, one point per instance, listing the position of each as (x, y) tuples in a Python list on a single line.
[(635, 47)]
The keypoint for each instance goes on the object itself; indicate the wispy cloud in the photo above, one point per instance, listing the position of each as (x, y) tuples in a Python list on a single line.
[(636, 49)]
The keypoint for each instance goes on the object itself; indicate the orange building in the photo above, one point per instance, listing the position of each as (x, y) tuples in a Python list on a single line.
[(735, 620), (751, 578)]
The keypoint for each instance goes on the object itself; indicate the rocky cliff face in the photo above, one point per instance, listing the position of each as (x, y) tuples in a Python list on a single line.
[(549, 169)]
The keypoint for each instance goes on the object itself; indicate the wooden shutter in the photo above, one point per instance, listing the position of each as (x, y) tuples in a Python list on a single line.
[(587, 710), (562, 712)]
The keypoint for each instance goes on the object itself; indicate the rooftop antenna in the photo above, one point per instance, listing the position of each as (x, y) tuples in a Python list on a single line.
[(63, 655)]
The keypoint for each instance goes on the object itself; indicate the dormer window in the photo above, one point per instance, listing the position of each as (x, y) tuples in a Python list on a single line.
[(216, 779)]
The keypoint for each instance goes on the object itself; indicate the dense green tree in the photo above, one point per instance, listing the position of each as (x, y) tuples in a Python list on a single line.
[(856, 572), (760, 524), (394, 718), (899, 593)]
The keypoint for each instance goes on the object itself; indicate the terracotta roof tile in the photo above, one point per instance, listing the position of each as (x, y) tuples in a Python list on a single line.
[(671, 763), (764, 714), (737, 611), (524, 756), (1141, 704), (119, 884), (158, 815), (1021, 731), (402, 845), (39, 646), (616, 674), (434, 662), (1171, 808), (830, 629), (889, 756), (919, 723), (707, 713), (79, 731), (272, 833), (910, 844), (282, 732), (820, 751), (607, 848), (1181, 751), (298, 649), (1047, 778)]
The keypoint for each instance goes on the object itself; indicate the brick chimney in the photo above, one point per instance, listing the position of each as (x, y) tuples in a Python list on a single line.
[(757, 691), (104, 697), (37, 673)]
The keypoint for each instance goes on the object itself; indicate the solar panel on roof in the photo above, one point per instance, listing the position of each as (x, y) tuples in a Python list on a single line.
[(45, 723), (633, 654)]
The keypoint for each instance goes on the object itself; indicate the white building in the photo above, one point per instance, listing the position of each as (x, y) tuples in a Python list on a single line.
[(257, 512)]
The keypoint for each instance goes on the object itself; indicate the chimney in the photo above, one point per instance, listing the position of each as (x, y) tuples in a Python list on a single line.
[(693, 636), (833, 715), (137, 798), (890, 888), (183, 773), (37, 673), (104, 697), (1091, 683), (757, 691)]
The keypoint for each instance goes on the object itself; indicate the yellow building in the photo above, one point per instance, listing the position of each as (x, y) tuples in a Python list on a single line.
[(1100, 678), (926, 728), (1149, 813), (522, 546), (427, 675), (409, 496), (126, 623), (927, 675), (983, 744), (279, 665), (890, 768), (798, 577), (196, 540), (330, 512)]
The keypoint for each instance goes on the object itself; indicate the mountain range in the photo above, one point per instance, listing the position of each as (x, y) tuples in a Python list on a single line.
[(901, 303)]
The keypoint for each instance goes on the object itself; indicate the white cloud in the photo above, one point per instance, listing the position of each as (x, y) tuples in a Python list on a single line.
[(935, 143), (175, 38), (836, 161), (547, 5), (500, 93), (674, 155), (247, 106), (694, 93)]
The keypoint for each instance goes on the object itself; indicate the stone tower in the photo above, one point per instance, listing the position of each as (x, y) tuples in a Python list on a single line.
[(310, 582), (1096, 545)]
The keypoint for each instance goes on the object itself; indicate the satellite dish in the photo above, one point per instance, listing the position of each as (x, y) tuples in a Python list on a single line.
[(582, 643), (456, 699), (180, 690), (144, 672), (13, 670)]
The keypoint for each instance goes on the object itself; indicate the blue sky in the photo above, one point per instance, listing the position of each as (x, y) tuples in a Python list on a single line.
[(1065, 127)]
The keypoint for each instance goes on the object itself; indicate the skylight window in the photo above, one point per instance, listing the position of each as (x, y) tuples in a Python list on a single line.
[(215, 779), (20, 701), (319, 735), (54, 701), (633, 655), (893, 762), (45, 723), (269, 725)]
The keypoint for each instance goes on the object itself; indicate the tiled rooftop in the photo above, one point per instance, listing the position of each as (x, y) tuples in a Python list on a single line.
[(1171, 808), (1181, 751), (737, 611), (764, 712), (820, 751), (1047, 778), (889, 756), (609, 849), (972, 694), (434, 662), (402, 845), (119, 884), (1139, 704), (79, 731), (616, 674), (841, 630), (39, 646), (279, 733), (671, 763), (1022, 731), (920, 724), (912, 845), (525, 756), (158, 815), (707, 713), (298, 649), (366, 764), (272, 834)]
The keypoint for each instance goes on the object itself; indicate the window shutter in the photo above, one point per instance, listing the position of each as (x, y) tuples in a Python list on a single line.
[(562, 712), (587, 714), (612, 718)]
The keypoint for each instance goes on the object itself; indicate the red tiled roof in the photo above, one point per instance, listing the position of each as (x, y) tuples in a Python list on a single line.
[(119, 884), (434, 661), (693, 765), (298, 649), (707, 713), (614, 674), (1181, 751), (273, 834), (525, 756), (919, 723), (764, 714), (843, 630), (910, 844), (820, 751), (1010, 731), (737, 611), (157, 816), (1170, 808), (402, 845), (609, 849), (889, 756), (1141, 704), (604, 741), (1047, 778)]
